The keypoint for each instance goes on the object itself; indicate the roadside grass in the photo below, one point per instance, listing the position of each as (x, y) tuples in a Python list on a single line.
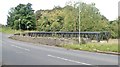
[(93, 47), (8, 30)]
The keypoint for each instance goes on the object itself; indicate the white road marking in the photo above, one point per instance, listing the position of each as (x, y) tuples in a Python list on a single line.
[(27, 49), (19, 52), (21, 47), (68, 60)]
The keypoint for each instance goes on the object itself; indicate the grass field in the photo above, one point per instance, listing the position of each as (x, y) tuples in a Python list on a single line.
[(93, 47)]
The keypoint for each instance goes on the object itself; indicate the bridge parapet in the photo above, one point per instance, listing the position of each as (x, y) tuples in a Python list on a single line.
[(91, 35)]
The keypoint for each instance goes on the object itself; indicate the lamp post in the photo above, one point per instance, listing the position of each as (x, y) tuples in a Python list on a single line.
[(79, 22), (19, 25)]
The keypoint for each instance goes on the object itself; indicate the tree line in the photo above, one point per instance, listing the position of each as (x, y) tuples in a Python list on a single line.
[(62, 19)]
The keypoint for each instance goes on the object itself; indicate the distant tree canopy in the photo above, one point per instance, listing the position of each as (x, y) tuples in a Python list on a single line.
[(64, 19), (22, 17), (67, 18)]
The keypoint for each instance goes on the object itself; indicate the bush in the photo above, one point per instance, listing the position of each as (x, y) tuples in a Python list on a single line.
[(83, 41)]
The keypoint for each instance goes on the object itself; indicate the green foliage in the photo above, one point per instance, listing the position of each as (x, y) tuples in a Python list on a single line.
[(68, 16), (113, 28), (21, 17)]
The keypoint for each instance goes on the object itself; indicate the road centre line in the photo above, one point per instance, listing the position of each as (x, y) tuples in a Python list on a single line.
[(21, 47), (68, 60)]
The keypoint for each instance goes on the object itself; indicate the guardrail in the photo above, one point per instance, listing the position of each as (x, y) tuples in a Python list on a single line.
[(92, 35)]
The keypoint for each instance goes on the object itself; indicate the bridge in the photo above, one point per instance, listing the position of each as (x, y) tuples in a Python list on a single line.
[(92, 35)]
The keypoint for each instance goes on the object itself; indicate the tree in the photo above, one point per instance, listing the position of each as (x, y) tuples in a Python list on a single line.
[(91, 19), (22, 17), (114, 28), (55, 26)]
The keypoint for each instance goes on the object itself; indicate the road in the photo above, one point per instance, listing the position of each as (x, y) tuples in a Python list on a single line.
[(23, 53)]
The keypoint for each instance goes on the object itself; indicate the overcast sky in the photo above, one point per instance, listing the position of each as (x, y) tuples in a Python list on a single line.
[(108, 8)]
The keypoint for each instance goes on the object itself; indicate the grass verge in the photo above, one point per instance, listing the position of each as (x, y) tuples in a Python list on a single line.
[(93, 47), (8, 30)]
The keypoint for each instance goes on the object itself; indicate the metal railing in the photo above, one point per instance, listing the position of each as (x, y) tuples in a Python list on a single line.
[(92, 35)]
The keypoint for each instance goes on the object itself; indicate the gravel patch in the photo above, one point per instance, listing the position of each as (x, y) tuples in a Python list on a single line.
[(45, 40)]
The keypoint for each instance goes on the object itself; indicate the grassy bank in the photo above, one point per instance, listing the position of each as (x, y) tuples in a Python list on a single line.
[(8, 30), (93, 47)]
